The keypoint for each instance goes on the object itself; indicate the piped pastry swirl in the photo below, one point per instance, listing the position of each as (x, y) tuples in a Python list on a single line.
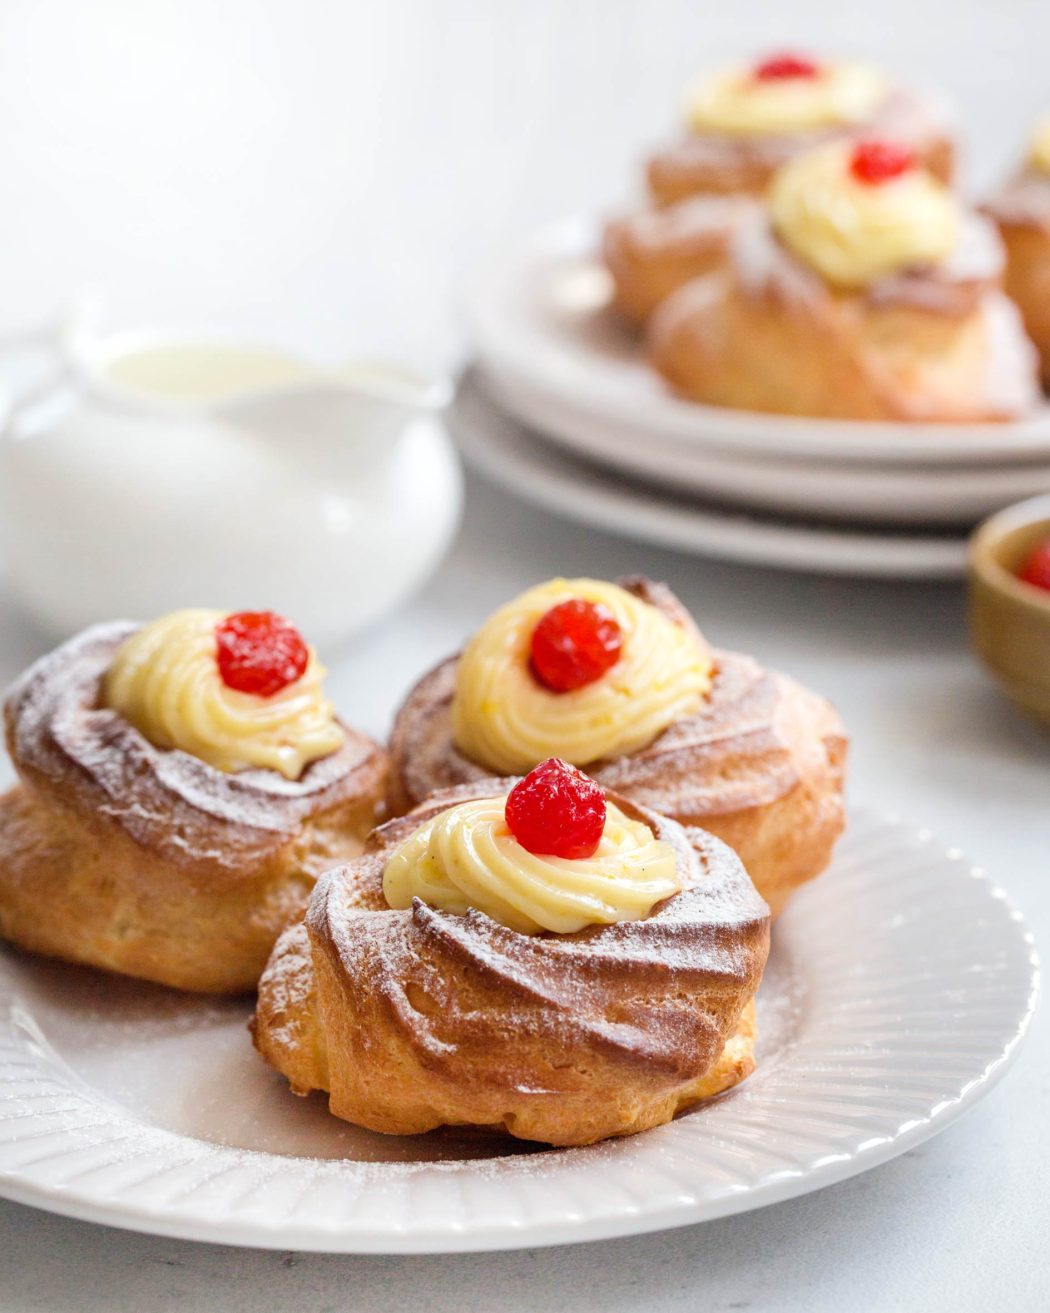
[(760, 763), (166, 681), (147, 860), (745, 100), (853, 231), (468, 857), (862, 295), (505, 719), (742, 125), (417, 1017), (1021, 209)]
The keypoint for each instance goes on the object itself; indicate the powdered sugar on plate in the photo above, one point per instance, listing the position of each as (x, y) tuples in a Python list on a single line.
[(899, 989)]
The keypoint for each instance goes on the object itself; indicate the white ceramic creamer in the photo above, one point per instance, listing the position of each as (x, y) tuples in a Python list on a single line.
[(144, 474)]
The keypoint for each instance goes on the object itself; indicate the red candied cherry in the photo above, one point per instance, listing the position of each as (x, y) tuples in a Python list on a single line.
[(1036, 567), (874, 162), (784, 66), (557, 810), (259, 652), (574, 644)]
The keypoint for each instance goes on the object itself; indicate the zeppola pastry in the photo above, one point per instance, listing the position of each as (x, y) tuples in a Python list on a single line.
[(650, 254), (1022, 211), (620, 681), (743, 123), (544, 958), (867, 292), (182, 785)]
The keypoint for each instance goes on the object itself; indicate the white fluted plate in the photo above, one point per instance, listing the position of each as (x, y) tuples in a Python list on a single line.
[(520, 459), (539, 316), (898, 992)]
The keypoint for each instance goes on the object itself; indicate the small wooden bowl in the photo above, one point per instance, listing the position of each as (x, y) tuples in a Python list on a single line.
[(1009, 619)]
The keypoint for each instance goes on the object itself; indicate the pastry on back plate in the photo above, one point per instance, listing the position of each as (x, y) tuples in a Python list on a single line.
[(540, 956), (182, 785), (866, 292), (618, 680), (1022, 211), (653, 252), (746, 121), (743, 123)]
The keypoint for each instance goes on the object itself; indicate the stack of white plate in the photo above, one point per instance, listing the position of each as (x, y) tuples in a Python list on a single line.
[(562, 408)]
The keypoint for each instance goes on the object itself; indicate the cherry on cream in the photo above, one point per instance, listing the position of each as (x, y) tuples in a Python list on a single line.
[(557, 810), (574, 644), (259, 652)]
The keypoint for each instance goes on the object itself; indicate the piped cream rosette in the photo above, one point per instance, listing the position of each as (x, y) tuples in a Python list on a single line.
[(507, 721), (467, 857), (165, 680), (734, 100), (1039, 150), (853, 231)]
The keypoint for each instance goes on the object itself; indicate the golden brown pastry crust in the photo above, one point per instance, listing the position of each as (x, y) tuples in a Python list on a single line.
[(651, 254), (149, 862), (760, 766), (711, 163), (420, 1018), (1028, 284), (768, 334), (1022, 212)]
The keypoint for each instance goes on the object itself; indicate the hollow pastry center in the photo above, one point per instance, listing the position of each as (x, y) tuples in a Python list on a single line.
[(165, 681), (736, 101), (853, 231), (506, 720), (467, 857)]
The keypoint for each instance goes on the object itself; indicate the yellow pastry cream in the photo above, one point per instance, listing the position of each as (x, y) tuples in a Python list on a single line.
[(853, 231), (1039, 150), (467, 857), (165, 680), (506, 720), (739, 101)]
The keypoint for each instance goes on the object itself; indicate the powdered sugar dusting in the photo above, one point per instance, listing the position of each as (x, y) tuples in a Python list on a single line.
[(1024, 200), (732, 754), (1012, 359), (637, 990), (136, 1105), (678, 228), (954, 287), (734, 162), (61, 738)]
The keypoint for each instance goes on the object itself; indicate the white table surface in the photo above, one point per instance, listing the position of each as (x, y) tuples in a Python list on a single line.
[(322, 173), (956, 1224)]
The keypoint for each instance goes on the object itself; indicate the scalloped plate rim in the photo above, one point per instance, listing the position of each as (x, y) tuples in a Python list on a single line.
[(508, 453), (616, 1221), (508, 342), (259, 1234)]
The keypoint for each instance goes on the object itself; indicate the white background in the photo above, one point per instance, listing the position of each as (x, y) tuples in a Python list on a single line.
[(325, 171), (323, 174)]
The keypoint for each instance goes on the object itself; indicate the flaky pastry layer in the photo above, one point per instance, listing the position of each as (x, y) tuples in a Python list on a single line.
[(760, 766), (420, 1018), (147, 861)]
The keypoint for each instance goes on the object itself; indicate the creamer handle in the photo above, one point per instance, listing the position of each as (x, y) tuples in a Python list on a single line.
[(54, 344), (20, 387)]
